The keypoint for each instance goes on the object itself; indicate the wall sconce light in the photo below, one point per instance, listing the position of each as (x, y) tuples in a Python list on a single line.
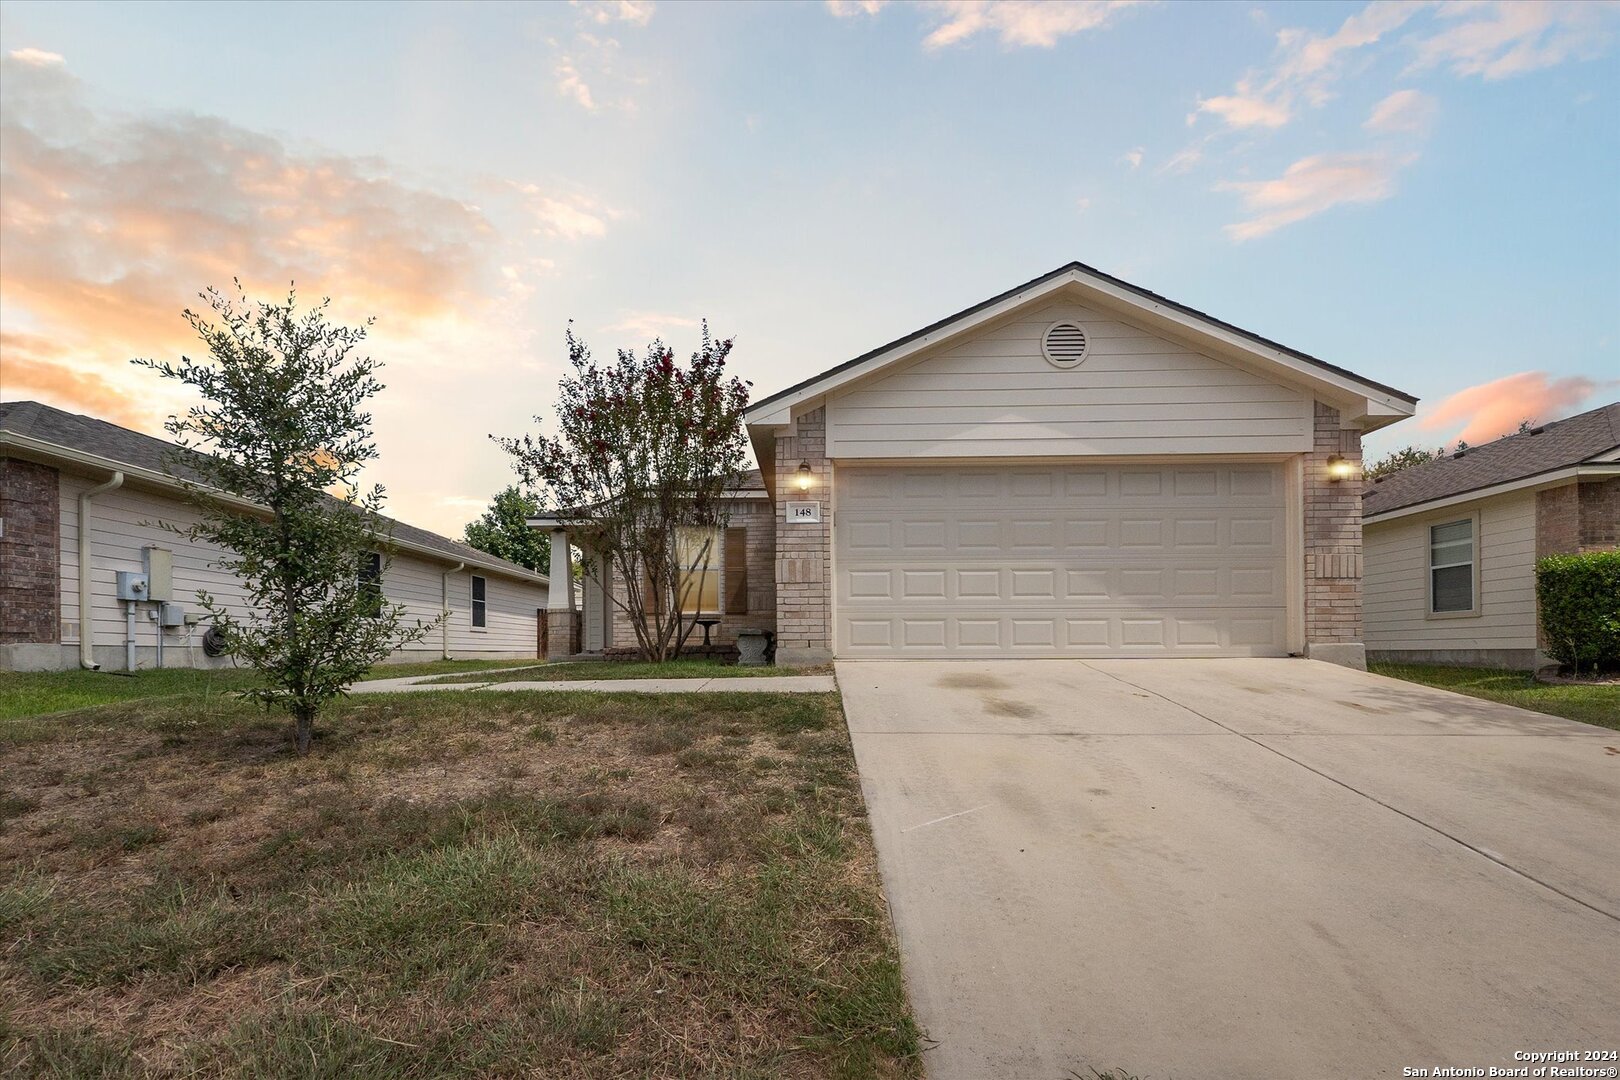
[(804, 476), (1340, 468)]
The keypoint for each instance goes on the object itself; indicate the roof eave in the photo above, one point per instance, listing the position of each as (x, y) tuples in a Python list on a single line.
[(1547, 478)]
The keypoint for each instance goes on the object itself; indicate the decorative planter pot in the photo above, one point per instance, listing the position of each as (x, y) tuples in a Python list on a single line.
[(750, 647)]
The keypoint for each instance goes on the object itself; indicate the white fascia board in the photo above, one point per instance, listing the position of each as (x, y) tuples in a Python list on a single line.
[(153, 478), (1360, 400), (1556, 478)]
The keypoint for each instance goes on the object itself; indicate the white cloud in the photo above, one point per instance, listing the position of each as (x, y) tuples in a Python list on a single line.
[(1312, 185), (1503, 39), (1246, 107), (1082, 204), (1408, 112), (1183, 160), (1037, 23), (845, 9), (36, 57), (1306, 67), (1132, 157), (566, 217), (603, 12), (571, 85), (644, 326)]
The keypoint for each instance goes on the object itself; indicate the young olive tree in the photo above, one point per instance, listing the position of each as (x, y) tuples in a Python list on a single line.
[(282, 426), (645, 454)]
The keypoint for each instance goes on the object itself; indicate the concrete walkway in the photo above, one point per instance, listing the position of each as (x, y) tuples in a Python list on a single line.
[(764, 684), (1236, 869)]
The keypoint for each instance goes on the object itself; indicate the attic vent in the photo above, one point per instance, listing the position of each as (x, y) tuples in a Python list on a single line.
[(1064, 345)]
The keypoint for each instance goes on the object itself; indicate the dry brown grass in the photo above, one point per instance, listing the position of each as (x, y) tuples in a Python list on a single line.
[(490, 884)]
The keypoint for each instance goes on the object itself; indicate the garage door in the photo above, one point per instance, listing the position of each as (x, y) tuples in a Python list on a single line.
[(1184, 560)]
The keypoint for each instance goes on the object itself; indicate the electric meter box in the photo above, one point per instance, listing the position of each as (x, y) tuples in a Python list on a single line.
[(133, 585)]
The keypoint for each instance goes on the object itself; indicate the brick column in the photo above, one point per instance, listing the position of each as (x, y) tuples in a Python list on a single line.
[(804, 551), (1333, 546), (30, 550)]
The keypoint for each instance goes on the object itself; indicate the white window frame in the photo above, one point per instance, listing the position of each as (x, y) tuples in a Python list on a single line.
[(1429, 568), (474, 604)]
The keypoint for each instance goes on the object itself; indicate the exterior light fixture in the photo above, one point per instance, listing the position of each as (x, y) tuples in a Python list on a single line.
[(804, 476), (1340, 468)]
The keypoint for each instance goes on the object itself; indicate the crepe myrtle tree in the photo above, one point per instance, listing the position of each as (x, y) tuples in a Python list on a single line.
[(645, 453), (282, 425)]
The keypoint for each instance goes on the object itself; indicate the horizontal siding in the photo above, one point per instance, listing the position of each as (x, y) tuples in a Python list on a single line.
[(1395, 598), (127, 520), (996, 396)]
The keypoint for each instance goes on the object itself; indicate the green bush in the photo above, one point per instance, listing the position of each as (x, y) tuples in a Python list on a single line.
[(1580, 608)]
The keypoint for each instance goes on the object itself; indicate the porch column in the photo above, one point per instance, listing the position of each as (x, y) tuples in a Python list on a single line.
[(562, 621)]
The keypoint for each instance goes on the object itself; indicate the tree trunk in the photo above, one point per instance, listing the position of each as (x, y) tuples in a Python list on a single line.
[(304, 730)]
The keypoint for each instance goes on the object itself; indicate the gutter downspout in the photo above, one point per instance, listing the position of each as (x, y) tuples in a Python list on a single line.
[(87, 615), (444, 598)]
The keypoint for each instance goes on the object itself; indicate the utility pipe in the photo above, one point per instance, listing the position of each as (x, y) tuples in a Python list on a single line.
[(87, 614), (444, 584), (129, 636)]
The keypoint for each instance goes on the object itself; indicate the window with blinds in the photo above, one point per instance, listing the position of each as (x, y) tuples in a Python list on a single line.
[(1451, 568)]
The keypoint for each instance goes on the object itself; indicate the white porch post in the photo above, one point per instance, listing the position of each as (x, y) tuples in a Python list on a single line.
[(562, 624), (560, 598)]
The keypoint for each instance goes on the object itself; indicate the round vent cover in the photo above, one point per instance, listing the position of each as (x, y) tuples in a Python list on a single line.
[(1065, 344)]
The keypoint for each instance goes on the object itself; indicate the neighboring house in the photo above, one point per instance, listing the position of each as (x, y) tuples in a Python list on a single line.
[(1074, 468), (1451, 546), (56, 466)]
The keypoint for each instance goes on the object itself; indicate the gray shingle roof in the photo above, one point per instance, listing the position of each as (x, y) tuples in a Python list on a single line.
[(1553, 446), (88, 435)]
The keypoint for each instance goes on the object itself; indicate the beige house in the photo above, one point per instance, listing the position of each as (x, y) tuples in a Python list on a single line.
[(1451, 546), (82, 509), (1074, 468)]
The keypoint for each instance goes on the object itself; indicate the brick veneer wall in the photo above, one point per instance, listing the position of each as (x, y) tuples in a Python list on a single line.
[(804, 551), (30, 550), (1578, 517), (1333, 564)]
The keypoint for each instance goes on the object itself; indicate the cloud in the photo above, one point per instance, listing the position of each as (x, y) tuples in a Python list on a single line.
[(1183, 160), (1493, 409), (1025, 23), (36, 368), (113, 221), (1132, 157), (1500, 40), (644, 326), (571, 85), (1244, 108), (36, 57), (1306, 66), (845, 9), (1312, 185), (604, 12), (1082, 204), (567, 217), (1405, 112)]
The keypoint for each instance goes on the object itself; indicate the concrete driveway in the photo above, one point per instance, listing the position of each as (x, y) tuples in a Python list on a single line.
[(1237, 868)]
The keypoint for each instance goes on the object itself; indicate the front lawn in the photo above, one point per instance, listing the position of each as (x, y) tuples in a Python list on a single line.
[(511, 884), (1598, 705), (637, 669), (36, 693)]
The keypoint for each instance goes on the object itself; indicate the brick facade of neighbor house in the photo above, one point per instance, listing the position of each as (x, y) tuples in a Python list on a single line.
[(1333, 560), (804, 551), (30, 552), (1578, 517)]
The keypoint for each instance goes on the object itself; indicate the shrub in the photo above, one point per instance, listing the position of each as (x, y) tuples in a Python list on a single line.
[(1579, 597)]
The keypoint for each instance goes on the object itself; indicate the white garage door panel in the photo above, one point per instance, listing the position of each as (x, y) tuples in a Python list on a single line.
[(1061, 561)]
